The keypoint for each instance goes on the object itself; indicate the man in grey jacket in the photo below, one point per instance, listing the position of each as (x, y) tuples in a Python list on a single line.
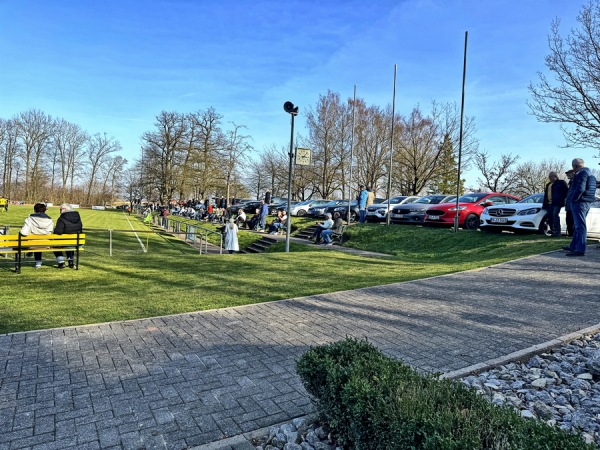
[(38, 223)]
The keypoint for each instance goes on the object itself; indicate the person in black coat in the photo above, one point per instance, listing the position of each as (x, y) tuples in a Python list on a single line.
[(555, 195), (69, 222)]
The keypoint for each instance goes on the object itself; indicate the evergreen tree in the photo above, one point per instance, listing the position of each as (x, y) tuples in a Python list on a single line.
[(445, 181)]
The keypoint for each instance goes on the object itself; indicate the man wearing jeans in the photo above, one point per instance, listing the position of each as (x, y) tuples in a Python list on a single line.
[(581, 195)]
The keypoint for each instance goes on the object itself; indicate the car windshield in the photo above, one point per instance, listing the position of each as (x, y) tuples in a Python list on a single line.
[(533, 198), (428, 200), (393, 200), (471, 198), (333, 203)]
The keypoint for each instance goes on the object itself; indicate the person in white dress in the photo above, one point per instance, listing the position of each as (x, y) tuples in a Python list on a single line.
[(231, 238)]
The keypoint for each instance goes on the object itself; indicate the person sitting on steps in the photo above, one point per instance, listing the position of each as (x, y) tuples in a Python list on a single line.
[(278, 223)]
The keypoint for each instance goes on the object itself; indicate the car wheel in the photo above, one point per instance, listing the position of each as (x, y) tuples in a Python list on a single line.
[(471, 222), (544, 227), (301, 212)]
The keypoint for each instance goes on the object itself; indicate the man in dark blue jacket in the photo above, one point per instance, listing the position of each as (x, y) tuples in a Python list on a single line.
[(554, 199), (582, 194)]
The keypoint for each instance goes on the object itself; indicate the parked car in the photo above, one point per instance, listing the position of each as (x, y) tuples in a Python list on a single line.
[(354, 211), (301, 209), (592, 221), (527, 215), (251, 207), (319, 211), (274, 207), (470, 207), (378, 212), (414, 212)]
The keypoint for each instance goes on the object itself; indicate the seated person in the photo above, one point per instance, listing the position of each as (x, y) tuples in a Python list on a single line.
[(338, 223), (241, 218), (278, 223), (254, 222), (322, 226)]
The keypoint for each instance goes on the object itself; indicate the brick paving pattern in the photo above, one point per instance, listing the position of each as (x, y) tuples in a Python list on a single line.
[(180, 381)]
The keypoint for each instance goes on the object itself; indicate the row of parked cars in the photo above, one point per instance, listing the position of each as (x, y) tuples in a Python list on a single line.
[(491, 212)]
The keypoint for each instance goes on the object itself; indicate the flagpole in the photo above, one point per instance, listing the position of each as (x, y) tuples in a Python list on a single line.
[(389, 186), (460, 138)]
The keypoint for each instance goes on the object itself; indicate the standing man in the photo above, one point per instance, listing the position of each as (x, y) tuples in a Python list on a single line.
[(554, 199), (569, 214), (264, 213), (581, 196), (370, 196), (363, 195), (69, 222), (3, 203)]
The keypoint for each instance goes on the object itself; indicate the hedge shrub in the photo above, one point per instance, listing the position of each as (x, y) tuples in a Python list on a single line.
[(372, 401)]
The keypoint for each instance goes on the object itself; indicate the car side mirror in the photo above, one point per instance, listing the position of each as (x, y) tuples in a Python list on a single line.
[(488, 203)]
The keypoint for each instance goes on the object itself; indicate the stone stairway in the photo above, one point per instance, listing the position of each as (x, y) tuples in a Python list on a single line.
[(306, 233), (260, 245)]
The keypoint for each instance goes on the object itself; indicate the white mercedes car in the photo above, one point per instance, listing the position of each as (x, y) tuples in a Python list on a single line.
[(527, 215)]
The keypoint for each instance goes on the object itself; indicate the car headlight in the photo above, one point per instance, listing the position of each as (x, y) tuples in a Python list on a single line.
[(485, 211), (381, 211), (529, 212), (460, 208)]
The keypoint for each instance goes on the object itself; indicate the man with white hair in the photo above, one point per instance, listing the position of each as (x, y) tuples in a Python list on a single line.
[(582, 194), (69, 222)]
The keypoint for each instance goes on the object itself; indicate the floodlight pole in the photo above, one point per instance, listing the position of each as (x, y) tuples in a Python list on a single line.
[(289, 108), (460, 138)]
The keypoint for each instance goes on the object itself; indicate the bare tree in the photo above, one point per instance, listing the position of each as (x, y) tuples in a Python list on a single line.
[(98, 150), (9, 148), (498, 176), (572, 98), (69, 144), (35, 129), (416, 154), (328, 127), (531, 177), (163, 150), (372, 137), (234, 153)]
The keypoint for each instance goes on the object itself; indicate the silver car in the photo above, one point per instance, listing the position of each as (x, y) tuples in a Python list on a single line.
[(415, 212), (378, 212), (301, 209)]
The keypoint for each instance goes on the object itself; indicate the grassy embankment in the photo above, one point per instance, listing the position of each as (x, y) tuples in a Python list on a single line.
[(171, 277)]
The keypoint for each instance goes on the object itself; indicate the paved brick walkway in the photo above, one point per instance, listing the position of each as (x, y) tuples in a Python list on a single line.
[(180, 381)]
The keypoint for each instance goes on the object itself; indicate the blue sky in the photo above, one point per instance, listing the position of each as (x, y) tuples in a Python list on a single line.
[(112, 66)]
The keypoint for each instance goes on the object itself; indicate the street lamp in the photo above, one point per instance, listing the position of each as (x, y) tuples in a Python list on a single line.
[(289, 108)]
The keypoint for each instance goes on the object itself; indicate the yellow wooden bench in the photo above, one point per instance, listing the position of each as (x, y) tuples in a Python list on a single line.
[(18, 245)]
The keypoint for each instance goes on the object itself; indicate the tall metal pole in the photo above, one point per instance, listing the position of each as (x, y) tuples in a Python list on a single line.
[(289, 199), (351, 154), (389, 186), (460, 138)]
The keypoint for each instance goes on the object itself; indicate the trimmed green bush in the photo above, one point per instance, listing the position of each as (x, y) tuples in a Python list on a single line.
[(375, 402)]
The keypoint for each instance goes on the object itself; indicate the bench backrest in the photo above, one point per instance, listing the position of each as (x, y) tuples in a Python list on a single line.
[(46, 240)]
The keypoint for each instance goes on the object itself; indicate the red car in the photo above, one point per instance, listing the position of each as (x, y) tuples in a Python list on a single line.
[(470, 206)]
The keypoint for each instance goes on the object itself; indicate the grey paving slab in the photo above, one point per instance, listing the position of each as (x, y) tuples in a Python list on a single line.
[(181, 381)]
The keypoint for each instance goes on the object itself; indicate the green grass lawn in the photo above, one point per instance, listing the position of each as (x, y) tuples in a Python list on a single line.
[(152, 274)]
